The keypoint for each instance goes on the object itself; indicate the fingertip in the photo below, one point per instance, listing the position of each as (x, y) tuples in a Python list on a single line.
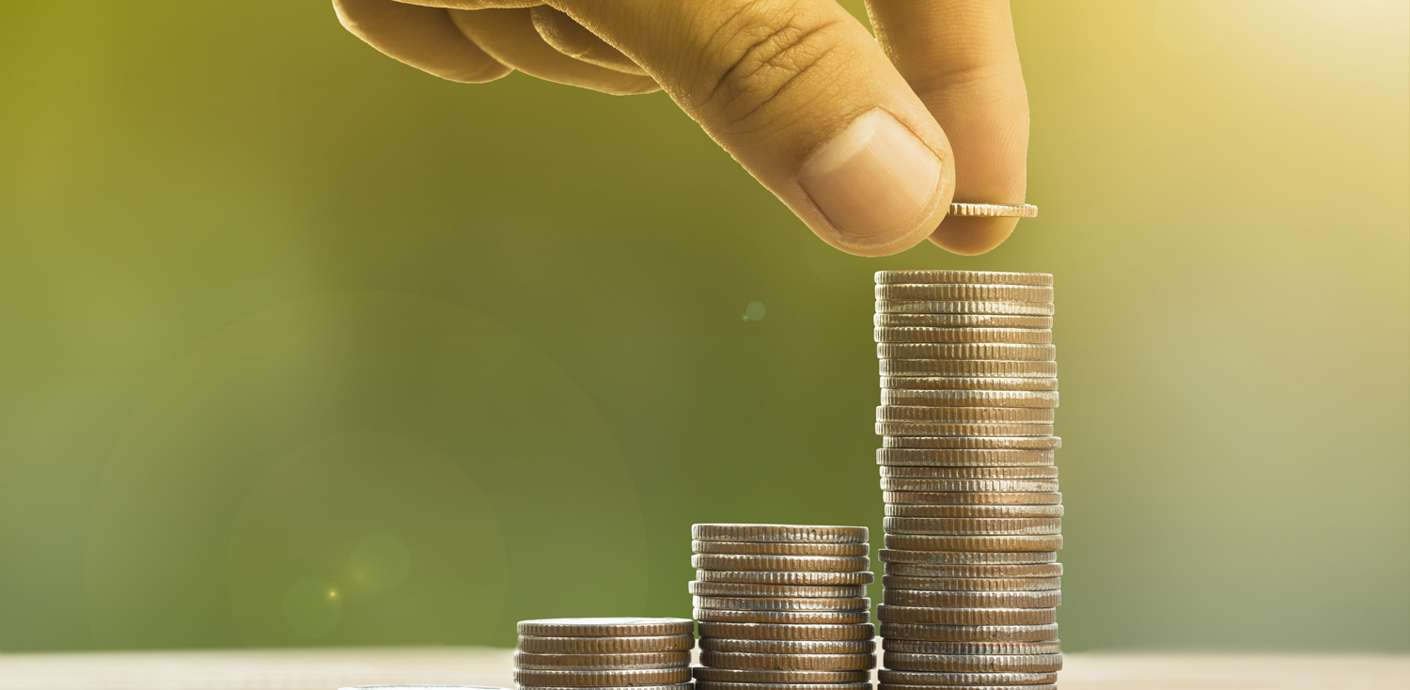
[(971, 236)]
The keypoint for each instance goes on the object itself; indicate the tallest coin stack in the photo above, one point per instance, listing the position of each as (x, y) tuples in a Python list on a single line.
[(968, 393)]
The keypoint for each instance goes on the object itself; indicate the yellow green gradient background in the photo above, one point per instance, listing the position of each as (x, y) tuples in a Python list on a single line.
[(303, 347)]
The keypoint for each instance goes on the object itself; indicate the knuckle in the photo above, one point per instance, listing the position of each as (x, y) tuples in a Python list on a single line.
[(757, 66)]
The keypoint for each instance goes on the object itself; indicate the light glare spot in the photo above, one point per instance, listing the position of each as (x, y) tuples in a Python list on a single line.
[(754, 312)]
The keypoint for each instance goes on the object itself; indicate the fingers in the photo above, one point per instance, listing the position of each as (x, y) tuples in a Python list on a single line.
[(570, 38), (422, 37), (799, 93), (509, 36), (961, 58)]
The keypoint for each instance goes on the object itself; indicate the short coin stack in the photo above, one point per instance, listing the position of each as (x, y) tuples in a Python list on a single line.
[(600, 653), (973, 513), (782, 607)]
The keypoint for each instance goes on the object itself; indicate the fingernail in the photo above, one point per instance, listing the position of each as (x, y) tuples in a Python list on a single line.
[(872, 179)]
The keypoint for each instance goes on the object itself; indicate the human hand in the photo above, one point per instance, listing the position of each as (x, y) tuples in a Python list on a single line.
[(866, 140)]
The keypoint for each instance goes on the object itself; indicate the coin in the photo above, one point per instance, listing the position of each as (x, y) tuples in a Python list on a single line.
[(985, 485), (969, 557), (606, 627), (897, 686), (940, 457), (744, 589), (960, 429), (605, 645), (718, 685), (734, 675), (981, 679), (794, 646), (974, 663), (980, 584), (968, 368), (970, 498), (920, 542), (673, 686), (764, 548), (964, 616), (785, 577), (782, 604), (599, 679), (960, 321), (969, 633), (583, 662), (988, 600), (974, 383), (927, 413), (973, 526), (928, 307), (788, 662), (912, 510), (970, 442), (916, 334), (729, 561), (969, 398), (985, 351), (787, 631), (936, 647), (1042, 472), (833, 534), (962, 292), (1048, 569), (976, 277), (810, 617)]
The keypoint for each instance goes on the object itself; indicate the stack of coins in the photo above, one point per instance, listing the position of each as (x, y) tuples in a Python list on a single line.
[(600, 653), (973, 513), (782, 607)]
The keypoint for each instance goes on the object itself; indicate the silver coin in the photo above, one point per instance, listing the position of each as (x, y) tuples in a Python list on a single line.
[(974, 663), (995, 211), (734, 675), (587, 662), (787, 631), (1005, 544), (914, 678), (967, 368), (976, 277), (599, 679), (969, 398), (898, 686), (721, 685), (967, 557), (807, 617), (785, 577), (973, 526), (961, 429), (946, 485), (996, 308), (756, 646), (962, 600), (960, 321), (1025, 472), (964, 616), (962, 292), (940, 457), (914, 334), (788, 662), (973, 584), (782, 604), (972, 498), (982, 351), (833, 534), (729, 561), (973, 415), (974, 570), (975, 443), (765, 548), (913, 510), (745, 589), (605, 645), (968, 383), (969, 633), (938, 647), (605, 627), (674, 686)]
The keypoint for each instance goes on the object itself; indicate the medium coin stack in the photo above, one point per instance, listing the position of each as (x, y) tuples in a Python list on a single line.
[(973, 513), (601, 653), (782, 607)]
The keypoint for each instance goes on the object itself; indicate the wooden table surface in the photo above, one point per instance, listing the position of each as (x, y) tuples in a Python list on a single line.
[(334, 668)]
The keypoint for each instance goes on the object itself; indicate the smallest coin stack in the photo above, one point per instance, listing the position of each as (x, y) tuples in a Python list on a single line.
[(599, 653), (782, 607)]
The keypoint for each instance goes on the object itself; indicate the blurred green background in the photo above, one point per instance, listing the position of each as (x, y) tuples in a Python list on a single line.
[(303, 347)]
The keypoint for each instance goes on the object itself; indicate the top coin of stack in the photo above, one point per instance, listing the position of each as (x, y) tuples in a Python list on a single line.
[(640, 653), (973, 516), (782, 607)]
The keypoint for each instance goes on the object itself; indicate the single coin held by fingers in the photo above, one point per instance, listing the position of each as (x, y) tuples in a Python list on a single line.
[(994, 210)]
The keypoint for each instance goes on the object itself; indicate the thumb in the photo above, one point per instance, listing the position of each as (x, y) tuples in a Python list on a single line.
[(799, 93)]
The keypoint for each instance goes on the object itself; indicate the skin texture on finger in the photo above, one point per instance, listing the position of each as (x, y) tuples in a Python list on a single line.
[(422, 37), (961, 58), (801, 95), (572, 39), (509, 36), (476, 4)]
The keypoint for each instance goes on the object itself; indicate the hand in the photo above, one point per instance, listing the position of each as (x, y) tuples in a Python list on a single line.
[(866, 140)]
